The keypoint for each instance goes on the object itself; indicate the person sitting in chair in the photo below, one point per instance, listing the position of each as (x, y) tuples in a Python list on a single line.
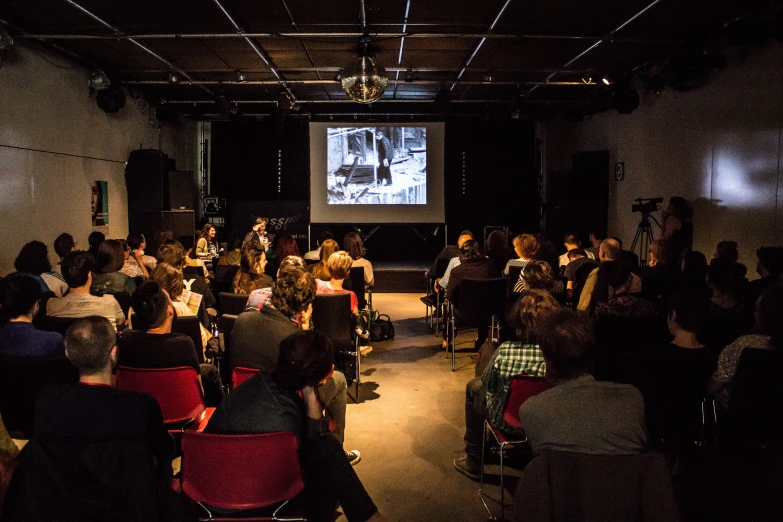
[(19, 296)]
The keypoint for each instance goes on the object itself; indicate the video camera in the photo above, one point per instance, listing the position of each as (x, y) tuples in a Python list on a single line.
[(646, 205)]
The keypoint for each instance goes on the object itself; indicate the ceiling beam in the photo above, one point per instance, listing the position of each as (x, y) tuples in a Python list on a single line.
[(336, 69), (402, 44), (350, 101), (335, 82)]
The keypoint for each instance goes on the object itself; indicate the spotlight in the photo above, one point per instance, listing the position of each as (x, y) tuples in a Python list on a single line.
[(364, 79), (241, 78), (587, 79), (409, 76), (606, 79), (99, 81), (488, 77), (338, 77), (172, 77), (111, 99)]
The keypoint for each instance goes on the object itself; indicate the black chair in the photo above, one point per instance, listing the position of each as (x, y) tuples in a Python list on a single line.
[(309, 262), (48, 323), (233, 304), (190, 326), (224, 278), (432, 309), (21, 379), (756, 396), (332, 317), (225, 326), (481, 303), (124, 299), (580, 278)]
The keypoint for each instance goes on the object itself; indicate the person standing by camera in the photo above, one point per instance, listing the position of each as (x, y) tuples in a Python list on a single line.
[(677, 226)]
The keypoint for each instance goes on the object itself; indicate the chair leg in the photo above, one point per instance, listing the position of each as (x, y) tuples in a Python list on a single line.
[(358, 370), (502, 485), (286, 519), (209, 513), (453, 343)]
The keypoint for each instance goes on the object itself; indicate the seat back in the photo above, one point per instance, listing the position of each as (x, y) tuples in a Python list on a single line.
[(756, 396), (48, 323), (190, 325), (233, 304), (226, 325), (177, 390), (21, 379), (357, 285), (240, 472), (332, 317), (124, 299), (480, 299), (580, 278), (241, 374), (440, 268), (522, 388), (511, 281)]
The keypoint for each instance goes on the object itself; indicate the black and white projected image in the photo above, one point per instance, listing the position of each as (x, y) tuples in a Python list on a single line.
[(376, 165)]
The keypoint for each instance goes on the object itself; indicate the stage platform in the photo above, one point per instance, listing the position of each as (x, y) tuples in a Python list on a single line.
[(400, 276)]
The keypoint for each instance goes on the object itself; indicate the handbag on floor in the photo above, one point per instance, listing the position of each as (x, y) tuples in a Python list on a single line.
[(381, 329)]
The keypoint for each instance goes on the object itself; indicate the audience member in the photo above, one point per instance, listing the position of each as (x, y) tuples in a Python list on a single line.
[(571, 242), (577, 258), (286, 400), (19, 296), (580, 414), (596, 238), (728, 318), (258, 235), (627, 257), (538, 275), (662, 277), (315, 255), (472, 266), (106, 278), (611, 294), (320, 270), (525, 246), (134, 260), (170, 279), (443, 281), (486, 396), (263, 296), (694, 273), (446, 254), (98, 453), (250, 275), (163, 237), (497, 250), (284, 246), (677, 226), (173, 253), (354, 245), (767, 335), (33, 260), (63, 245), (340, 269), (547, 252), (192, 263), (207, 247), (256, 338), (94, 240), (234, 255), (79, 303), (151, 344), (769, 269), (610, 250), (138, 243)]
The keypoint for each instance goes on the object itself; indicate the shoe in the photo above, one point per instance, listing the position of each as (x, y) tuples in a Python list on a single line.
[(444, 345), (429, 300), (461, 465), (365, 350), (353, 456)]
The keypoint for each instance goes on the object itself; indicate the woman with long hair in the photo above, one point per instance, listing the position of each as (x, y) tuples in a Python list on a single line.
[(207, 246), (251, 274), (171, 280), (353, 244), (677, 226), (106, 277), (33, 260), (320, 270)]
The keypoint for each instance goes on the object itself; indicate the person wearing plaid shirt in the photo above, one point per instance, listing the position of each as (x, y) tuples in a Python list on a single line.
[(486, 396)]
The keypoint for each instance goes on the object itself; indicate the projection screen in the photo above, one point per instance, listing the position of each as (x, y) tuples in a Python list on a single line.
[(376, 173)]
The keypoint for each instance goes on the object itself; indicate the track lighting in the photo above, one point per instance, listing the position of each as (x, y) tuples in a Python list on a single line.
[(606, 79), (241, 78), (587, 79), (172, 77)]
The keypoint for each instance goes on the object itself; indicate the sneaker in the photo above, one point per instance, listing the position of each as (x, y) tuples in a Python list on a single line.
[(365, 350), (353, 456), (461, 465)]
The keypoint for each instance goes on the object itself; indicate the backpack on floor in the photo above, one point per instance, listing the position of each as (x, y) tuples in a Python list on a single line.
[(381, 329)]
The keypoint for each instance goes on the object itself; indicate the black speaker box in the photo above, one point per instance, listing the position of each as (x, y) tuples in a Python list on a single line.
[(147, 180), (150, 223), (182, 190)]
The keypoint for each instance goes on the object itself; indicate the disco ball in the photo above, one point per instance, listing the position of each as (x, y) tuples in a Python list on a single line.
[(364, 79)]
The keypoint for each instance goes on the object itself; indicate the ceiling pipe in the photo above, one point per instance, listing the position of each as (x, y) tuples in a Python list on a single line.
[(141, 46), (596, 44), (348, 35), (579, 83), (349, 101), (304, 45), (364, 18), (402, 43), (257, 49), (480, 43), (20, 33), (338, 69)]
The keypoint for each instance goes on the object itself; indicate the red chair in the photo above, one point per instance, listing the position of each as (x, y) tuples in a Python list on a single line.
[(177, 391), (241, 374), (522, 388), (241, 472)]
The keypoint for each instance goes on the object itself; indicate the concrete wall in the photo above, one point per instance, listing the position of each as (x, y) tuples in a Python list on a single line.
[(54, 141), (718, 146)]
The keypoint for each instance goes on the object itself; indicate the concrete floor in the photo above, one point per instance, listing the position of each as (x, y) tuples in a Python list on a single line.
[(410, 423)]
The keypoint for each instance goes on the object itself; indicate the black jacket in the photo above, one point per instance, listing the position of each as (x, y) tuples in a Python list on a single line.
[(256, 336), (479, 268)]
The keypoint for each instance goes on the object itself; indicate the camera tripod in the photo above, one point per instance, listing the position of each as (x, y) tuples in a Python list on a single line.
[(643, 238)]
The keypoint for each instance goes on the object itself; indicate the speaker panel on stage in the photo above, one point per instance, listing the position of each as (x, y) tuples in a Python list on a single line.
[(182, 190), (147, 181), (149, 223)]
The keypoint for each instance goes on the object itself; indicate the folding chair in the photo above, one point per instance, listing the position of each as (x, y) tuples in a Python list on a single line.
[(225, 326), (355, 282), (233, 304), (440, 270), (177, 391), (241, 374), (49, 323), (241, 472), (332, 317), (481, 302), (522, 388)]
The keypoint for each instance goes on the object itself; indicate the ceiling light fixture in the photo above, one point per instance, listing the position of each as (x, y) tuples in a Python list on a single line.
[(364, 79), (488, 77), (409, 76), (606, 79), (172, 77), (587, 79), (241, 78), (99, 81)]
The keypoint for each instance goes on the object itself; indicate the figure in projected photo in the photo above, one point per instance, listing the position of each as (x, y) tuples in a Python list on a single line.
[(377, 165)]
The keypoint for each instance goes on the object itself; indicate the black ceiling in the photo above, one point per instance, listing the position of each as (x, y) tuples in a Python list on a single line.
[(305, 42)]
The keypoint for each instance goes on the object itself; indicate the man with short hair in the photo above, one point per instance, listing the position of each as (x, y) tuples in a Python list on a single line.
[(443, 282), (98, 453), (315, 255), (257, 236), (610, 251), (19, 296), (576, 259), (256, 337), (580, 414), (571, 242), (77, 271), (63, 245)]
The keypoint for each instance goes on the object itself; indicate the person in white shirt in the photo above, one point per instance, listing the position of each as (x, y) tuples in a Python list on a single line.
[(77, 271), (571, 242), (444, 281), (315, 255)]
